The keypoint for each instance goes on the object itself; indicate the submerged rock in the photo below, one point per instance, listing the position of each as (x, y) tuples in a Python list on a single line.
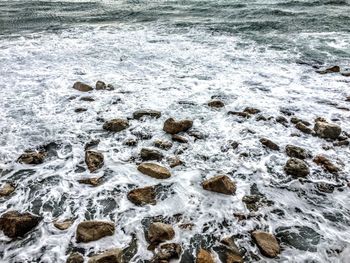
[(32, 157), (267, 243), (296, 167), (296, 152), (251, 110), (15, 224), (63, 225), (146, 113), (204, 256), (87, 98), (100, 85), (167, 252), (165, 145), (93, 230), (334, 69), (148, 154), (228, 251), (94, 160), (6, 190), (269, 144), (75, 257), (91, 144), (109, 256), (174, 161), (143, 196), (82, 87), (116, 125), (326, 130), (154, 170), (220, 184), (326, 164), (216, 103), (171, 126), (159, 232), (130, 142), (240, 114), (254, 202)]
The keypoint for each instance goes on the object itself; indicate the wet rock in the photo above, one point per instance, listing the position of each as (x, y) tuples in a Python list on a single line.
[(334, 69), (15, 224), (165, 145), (100, 85), (32, 157), (261, 118), (204, 256), (295, 120), (267, 243), (216, 103), (116, 125), (93, 181), (130, 142), (228, 251), (341, 143), (326, 164), (93, 230), (296, 167), (174, 161), (142, 133), (179, 138), (282, 120), (198, 135), (296, 152), (302, 127), (171, 126), (229, 145), (79, 110), (94, 160), (220, 184), (148, 154), (82, 87), (143, 196), (6, 189), (254, 202), (240, 114), (159, 232), (251, 110), (167, 252), (109, 256), (146, 113), (92, 143), (324, 129), (346, 74), (325, 188), (87, 98), (154, 170), (75, 257), (63, 225), (269, 144)]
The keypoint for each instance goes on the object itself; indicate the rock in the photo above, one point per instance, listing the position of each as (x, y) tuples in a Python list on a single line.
[(91, 144), (295, 120), (79, 110), (143, 196), (15, 224), (269, 144), (341, 143), (171, 126), (146, 113), (251, 110), (326, 164), (325, 188), (302, 127), (94, 160), (334, 69), (296, 152), (324, 129), (282, 120), (216, 104), (167, 252), (82, 87), (220, 184), (228, 251), (94, 230), (165, 145), (116, 125), (154, 170), (109, 256), (174, 161), (267, 243), (148, 154), (93, 181), (204, 256), (159, 232), (229, 145), (179, 138), (100, 85), (63, 225), (253, 202), (346, 74), (240, 114), (75, 257), (296, 167), (6, 190), (130, 142), (87, 98), (32, 157)]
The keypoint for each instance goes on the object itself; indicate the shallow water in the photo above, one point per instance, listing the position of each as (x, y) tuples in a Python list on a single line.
[(159, 55)]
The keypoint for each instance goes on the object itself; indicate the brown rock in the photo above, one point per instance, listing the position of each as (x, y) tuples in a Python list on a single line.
[(267, 243), (334, 69), (148, 154), (171, 126), (174, 161), (91, 144), (100, 85), (326, 164), (324, 129), (143, 196), (296, 152), (15, 224), (154, 170), (87, 98), (109, 256), (159, 232), (220, 184), (93, 181), (296, 167), (75, 257), (82, 87), (240, 114), (251, 110), (6, 189), (63, 225), (146, 113), (32, 157), (302, 127), (165, 145), (269, 144), (204, 256), (216, 103), (93, 230), (179, 138), (232, 253), (94, 160), (130, 142), (295, 120), (116, 125), (167, 252)]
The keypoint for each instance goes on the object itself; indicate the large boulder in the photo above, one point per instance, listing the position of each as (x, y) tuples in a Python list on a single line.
[(143, 196), (109, 256), (267, 243), (326, 164), (326, 130), (6, 189), (146, 113), (75, 257), (159, 232), (116, 125), (220, 184), (154, 170), (32, 157), (204, 256), (171, 126), (94, 160), (148, 154), (296, 152), (93, 230), (82, 87), (296, 167), (15, 224)]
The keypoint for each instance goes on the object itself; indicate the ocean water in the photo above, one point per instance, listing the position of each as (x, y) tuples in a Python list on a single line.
[(174, 56)]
